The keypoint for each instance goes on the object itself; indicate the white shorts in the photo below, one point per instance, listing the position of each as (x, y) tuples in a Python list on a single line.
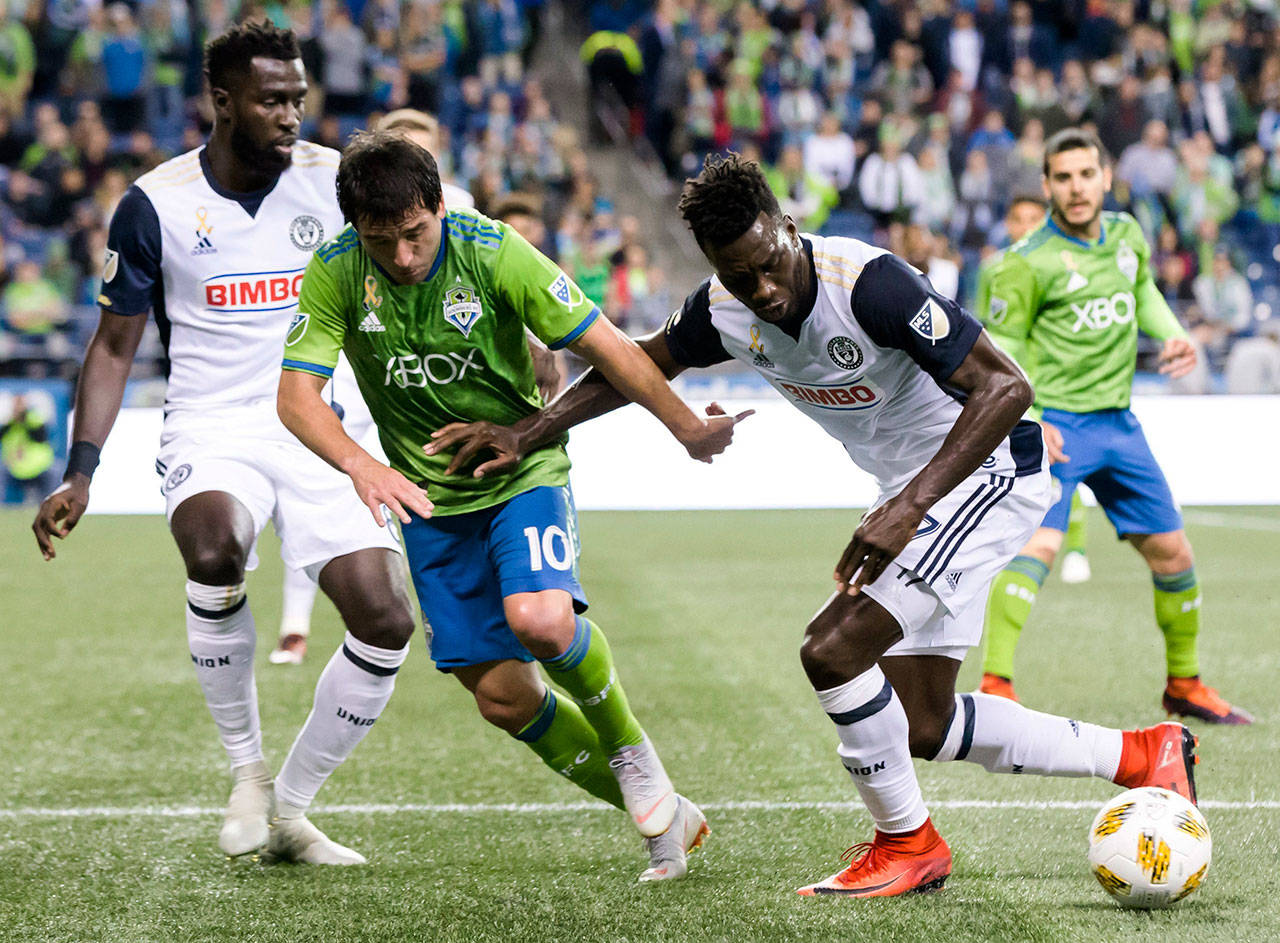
[(937, 587), (314, 508)]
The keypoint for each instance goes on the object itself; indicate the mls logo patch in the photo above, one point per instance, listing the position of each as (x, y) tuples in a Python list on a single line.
[(999, 310), (931, 322), (110, 265), (462, 308), (297, 327), (565, 292)]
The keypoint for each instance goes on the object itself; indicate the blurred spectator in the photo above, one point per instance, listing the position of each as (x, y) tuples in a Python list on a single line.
[(829, 155), (1225, 302), (125, 66), (976, 202), (27, 454), (889, 182), (17, 64), (32, 305), (805, 197), (1121, 121), (345, 59), (902, 84), (1253, 366), (938, 192), (920, 248), (964, 48)]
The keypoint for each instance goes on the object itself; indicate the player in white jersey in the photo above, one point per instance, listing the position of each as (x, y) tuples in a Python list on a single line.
[(922, 399), (214, 244)]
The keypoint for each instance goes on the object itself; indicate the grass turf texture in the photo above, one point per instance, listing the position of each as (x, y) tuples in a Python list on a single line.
[(704, 612)]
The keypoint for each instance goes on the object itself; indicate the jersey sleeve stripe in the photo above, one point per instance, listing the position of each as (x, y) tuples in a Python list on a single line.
[(303, 366), (577, 332)]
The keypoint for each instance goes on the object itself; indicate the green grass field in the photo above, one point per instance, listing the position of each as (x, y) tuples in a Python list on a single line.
[(114, 777)]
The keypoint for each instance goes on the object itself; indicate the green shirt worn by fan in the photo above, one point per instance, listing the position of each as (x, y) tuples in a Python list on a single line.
[(1069, 311), (451, 348)]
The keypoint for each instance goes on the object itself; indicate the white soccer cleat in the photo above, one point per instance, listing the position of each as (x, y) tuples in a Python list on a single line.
[(296, 839), (244, 825), (289, 650), (646, 789), (668, 852), (1075, 568)]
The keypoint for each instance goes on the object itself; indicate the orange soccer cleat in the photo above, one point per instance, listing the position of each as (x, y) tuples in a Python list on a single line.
[(1163, 755), (1191, 697), (998, 685), (912, 862), (290, 650)]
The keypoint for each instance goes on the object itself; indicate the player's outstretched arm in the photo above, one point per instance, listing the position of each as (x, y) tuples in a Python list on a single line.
[(99, 393), (304, 412), (998, 395)]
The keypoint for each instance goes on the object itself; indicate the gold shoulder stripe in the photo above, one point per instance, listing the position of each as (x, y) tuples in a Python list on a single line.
[(835, 261), (843, 279), (166, 184), (177, 165), (719, 297)]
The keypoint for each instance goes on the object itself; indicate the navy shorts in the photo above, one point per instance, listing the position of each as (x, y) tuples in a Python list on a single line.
[(463, 565), (1110, 454)]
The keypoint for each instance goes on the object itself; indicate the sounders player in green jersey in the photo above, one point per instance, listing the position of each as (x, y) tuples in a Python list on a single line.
[(1067, 302), (431, 310)]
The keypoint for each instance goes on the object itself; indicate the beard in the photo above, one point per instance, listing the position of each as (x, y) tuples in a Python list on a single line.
[(260, 157)]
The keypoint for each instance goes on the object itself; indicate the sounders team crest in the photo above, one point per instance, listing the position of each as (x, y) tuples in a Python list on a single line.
[(462, 308), (1127, 262)]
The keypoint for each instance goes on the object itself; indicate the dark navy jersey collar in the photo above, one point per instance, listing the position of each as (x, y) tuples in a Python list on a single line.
[(251, 202), (1102, 233)]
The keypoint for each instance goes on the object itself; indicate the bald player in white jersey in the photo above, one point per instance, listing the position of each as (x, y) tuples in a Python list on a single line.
[(921, 398), (213, 244)]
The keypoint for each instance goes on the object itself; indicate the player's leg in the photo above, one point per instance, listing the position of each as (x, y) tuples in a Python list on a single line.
[(1075, 561), (367, 587), (1177, 608), (842, 646), (1136, 497), (215, 532), (298, 600), (1013, 594), (1002, 736)]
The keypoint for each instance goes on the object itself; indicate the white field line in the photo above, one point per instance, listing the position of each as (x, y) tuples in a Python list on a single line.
[(1236, 521), (550, 808)]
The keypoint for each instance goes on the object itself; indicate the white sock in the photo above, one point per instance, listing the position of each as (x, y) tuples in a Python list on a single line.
[(350, 695), (299, 600), (1002, 736), (873, 747), (221, 638)]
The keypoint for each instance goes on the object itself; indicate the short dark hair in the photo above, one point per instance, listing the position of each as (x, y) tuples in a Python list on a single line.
[(1071, 139), (1035, 198), (515, 204), (723, 201), (230, 54), (383, 177)]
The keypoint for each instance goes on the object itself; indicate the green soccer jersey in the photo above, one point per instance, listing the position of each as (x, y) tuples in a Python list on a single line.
[(449, 349), (1069, 311)]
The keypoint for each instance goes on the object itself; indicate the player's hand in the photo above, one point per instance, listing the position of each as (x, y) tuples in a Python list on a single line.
[(1177, 357), (714, 434), (60, 512), (881, 536), (1053, 442), (471, 438), (378, 485)]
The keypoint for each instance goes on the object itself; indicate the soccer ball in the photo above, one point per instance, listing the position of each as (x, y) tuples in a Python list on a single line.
[(1149, 848)]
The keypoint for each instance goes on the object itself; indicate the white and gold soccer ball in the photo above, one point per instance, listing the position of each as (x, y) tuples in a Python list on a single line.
[(1149, 848)]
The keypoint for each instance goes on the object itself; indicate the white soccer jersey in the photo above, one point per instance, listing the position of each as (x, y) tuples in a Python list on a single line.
[(221, 273), (869, 363)]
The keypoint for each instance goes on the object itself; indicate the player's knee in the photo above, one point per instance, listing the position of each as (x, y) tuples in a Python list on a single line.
[(385, 623), (217, 561), (831, 652), (925, 735), (543, 622), (506, 710)]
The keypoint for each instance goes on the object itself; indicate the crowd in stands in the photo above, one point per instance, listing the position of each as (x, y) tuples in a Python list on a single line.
[(93, 95), (911, 123), (875, 115)]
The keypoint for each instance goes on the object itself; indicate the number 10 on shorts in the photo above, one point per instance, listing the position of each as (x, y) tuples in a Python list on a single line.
[(552, 547)]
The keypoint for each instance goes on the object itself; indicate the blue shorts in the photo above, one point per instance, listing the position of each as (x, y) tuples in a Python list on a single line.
[(1110, 454), (464, 565)]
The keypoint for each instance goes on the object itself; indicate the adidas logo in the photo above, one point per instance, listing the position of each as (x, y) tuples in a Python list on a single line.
[(371, 323), (762, 361), (953, 579), (204, 247)]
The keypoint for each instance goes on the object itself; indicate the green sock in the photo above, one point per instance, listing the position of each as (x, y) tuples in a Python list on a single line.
[(1178, 615), (563, 739), (1012, 595), (1076, 526), (585, 671)]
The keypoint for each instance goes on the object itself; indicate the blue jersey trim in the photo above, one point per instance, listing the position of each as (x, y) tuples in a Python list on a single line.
[(1102, 233), (435, 266), (249, 202), (577, 332), (340, 246), (307, 367), (460, 221)]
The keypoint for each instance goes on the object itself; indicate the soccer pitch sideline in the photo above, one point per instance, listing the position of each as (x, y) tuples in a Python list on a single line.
[(115, 780)]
